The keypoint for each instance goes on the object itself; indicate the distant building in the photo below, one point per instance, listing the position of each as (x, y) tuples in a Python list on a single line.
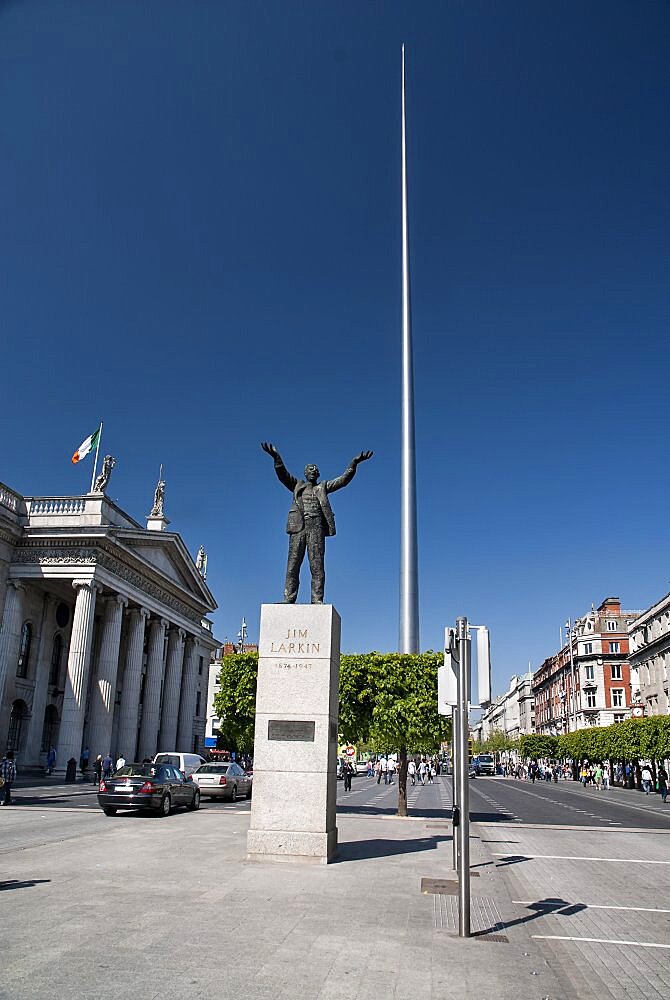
[(650, 658), (212, 720), (104, 636), (602, 682), (512, 713)]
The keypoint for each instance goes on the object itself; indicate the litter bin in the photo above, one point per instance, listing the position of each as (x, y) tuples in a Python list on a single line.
[(71, 771)]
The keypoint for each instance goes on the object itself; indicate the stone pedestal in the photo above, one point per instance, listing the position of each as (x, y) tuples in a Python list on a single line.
[(295, 743)]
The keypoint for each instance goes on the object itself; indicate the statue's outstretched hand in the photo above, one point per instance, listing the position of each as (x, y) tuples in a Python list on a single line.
[(363, 457), (270, 448)]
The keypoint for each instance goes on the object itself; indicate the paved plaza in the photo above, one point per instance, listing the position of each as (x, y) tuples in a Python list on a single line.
[(565, 904)]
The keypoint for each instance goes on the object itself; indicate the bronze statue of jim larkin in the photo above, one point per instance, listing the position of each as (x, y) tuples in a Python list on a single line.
[(310, 519)]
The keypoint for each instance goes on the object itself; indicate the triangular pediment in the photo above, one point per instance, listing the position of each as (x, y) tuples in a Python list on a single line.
[(166, 553), (163, 559)]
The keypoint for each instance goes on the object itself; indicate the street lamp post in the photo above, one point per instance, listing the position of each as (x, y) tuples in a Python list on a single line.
[(242, 634), (570, 631)]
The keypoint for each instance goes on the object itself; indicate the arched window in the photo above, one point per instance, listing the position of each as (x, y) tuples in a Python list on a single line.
[(50, 728), (56, 657), (24, 650), (17, 723)]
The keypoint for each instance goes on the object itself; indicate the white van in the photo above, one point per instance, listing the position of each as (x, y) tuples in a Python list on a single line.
[(186, 762)]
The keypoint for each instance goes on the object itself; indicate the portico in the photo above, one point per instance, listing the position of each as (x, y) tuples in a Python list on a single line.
[(104, 637)]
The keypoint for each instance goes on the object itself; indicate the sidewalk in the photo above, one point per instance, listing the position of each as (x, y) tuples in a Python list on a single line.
[(358, 929)]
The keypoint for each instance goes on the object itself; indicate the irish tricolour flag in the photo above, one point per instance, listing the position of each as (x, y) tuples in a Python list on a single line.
[(89, 444)]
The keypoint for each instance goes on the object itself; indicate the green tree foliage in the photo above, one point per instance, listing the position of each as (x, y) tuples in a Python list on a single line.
[(388, 701), (535, 746), (496, 742), (235, 702)]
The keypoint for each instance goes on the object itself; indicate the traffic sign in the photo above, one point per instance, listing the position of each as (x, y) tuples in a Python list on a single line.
[(350, 751)]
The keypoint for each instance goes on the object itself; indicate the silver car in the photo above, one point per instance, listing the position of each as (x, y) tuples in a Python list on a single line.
[(223, 781)]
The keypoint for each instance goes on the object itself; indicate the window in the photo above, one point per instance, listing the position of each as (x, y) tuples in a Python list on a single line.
[(590, 699), (616, 671), (615, 647), (619, 716), (617, 698), (201, 663), (18, 720), (611, 626), (588, 648), (24, 650), (197, 703), (589, 672), (49, 729), (56, 657)]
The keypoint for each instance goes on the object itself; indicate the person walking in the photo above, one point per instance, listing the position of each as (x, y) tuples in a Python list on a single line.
[(378, 770), (422, 772), (8, 775), (348, 772), (431, 771), (51, 760), (107, 763), (121, 762), (662, 778), (646, 779), (369, 769), (391, 769), (83, 763), (598, 777), (97, 770), (606, 777)]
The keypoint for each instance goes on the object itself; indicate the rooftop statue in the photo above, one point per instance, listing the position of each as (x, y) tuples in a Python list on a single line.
[(101, 483)]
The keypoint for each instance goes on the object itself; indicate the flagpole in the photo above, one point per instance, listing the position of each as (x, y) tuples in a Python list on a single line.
[(95, 461), (409, 589)]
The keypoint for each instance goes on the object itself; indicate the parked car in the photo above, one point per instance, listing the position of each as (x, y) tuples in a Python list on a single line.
[(185, 762), (223, 781), (361, 767), (158, 787)]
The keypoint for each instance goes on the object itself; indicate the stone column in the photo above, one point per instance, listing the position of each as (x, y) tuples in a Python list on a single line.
[(103, 691), (41, 692), (188, 691), (167, 739), (151, 704), (76, 681), (126, 738), (10, 633)]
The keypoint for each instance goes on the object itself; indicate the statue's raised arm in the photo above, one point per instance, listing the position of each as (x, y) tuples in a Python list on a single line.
[(283, 475)]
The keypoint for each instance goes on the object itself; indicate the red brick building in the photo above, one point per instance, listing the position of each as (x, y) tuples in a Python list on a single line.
[(601, 692)]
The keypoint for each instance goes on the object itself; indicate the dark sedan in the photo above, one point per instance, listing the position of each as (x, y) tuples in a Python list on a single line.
[(155, 787)]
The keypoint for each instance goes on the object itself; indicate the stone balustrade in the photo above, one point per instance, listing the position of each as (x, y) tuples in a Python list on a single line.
[(57, 505), (9, 499)]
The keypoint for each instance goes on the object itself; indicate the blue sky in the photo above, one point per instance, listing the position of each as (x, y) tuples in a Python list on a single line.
[(200, 243)]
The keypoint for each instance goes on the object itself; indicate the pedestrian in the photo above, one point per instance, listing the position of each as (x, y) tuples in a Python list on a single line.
[(8, 775), (411, 770), (378, 770), (646, 779), (431, 771), (51, 760), (606, 777), (121, 762), (391, 769), (422, 772), (107, 763), (662, 778), (97, 770), (369, 769), (598, 777), (348, 772), (83, 763)]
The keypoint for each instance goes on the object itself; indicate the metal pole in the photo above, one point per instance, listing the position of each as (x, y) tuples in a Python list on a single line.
[(409, 592), (95, 461), (463, 787), (455, 758)]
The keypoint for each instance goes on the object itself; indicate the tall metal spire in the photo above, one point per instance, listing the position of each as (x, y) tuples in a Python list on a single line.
[(409, 587)]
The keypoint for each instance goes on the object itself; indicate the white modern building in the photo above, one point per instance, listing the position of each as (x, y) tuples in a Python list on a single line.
[(512, 713), (105, 641), (649, 658)]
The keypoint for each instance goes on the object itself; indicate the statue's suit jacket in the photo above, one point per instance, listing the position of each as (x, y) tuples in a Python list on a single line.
[(296, 516)]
